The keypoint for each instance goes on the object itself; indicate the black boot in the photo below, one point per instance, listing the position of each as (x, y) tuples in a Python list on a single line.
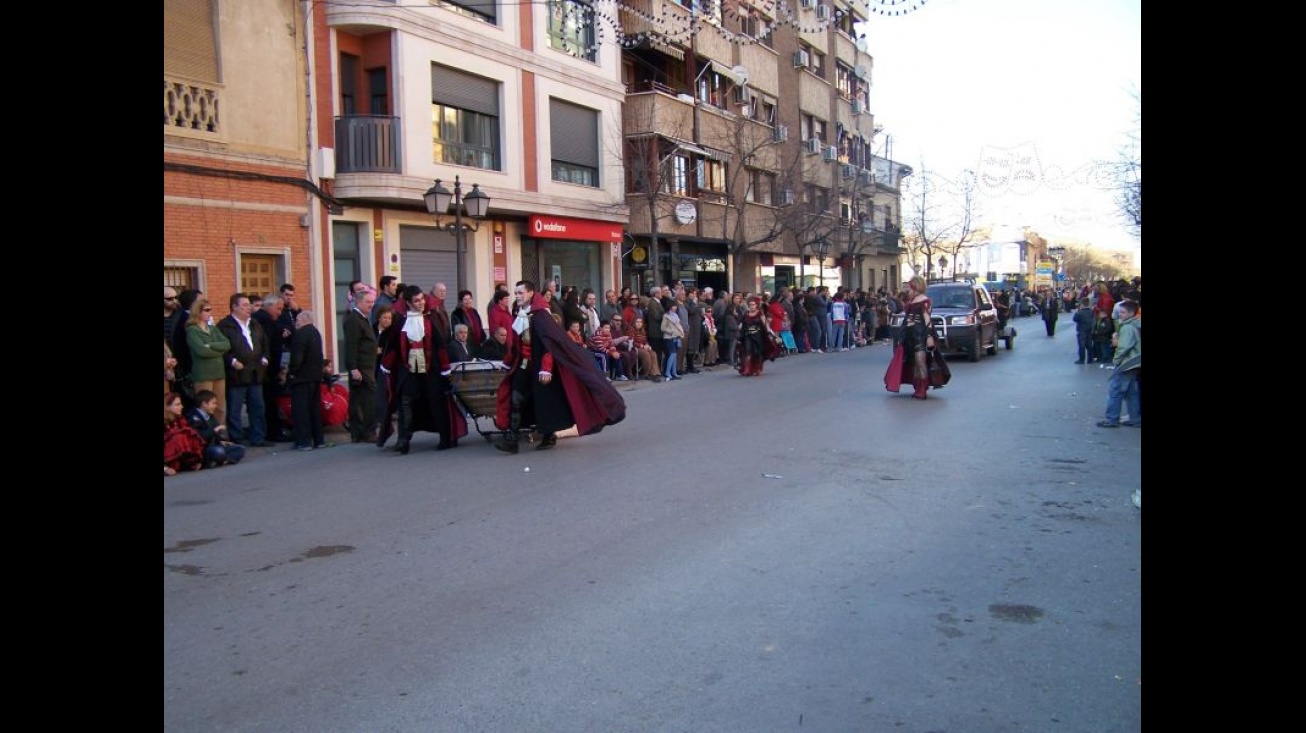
[(383, 435), (548, 442), (405, 425), (507, 442)]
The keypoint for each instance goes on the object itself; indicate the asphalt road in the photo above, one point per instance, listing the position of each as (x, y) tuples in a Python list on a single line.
[(967, 564)]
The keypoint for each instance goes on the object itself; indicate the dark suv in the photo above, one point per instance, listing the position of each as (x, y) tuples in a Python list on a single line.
[(964, 318)]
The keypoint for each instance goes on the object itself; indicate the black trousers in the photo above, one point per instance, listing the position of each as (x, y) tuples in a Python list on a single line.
[(306, 413), (362, 409)]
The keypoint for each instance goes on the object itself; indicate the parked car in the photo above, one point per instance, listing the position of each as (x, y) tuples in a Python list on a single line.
[(965, 320)]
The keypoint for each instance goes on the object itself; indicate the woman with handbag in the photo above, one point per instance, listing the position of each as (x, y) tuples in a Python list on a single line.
[(915, 356)]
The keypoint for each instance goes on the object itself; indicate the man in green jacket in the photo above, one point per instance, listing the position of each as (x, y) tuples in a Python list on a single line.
[(1128, 365)]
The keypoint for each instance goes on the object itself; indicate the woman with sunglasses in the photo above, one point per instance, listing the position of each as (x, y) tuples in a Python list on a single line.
[(207, 346)]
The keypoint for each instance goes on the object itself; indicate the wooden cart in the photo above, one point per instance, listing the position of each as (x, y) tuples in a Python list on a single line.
[(475, 386)]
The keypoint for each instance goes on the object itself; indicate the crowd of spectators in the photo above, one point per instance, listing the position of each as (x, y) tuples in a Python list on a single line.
[(242, 360)]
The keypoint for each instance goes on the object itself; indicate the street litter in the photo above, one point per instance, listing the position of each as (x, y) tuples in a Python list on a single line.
[(772, 475)]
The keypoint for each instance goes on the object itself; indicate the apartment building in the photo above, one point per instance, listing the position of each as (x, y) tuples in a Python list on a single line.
[(750, 147), (236, 195), (722, 144), (520, 102)]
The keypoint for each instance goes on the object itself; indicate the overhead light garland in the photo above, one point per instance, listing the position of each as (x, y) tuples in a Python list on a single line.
[(677, 23)]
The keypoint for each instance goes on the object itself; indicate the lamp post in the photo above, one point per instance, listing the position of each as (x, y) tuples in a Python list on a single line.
[(437, 200), (822, 247)]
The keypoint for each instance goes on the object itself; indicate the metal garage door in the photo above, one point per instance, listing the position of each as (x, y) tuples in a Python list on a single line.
[(426, 257)]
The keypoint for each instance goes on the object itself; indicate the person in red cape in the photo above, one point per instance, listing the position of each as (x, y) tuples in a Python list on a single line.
[(421, 370), (551, 384), (756, 344)]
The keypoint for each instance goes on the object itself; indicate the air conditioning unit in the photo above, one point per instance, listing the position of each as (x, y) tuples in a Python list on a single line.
[(801, 59), (781, 133), (787, 197), (742, 95), (808, 3), (857, 107), (866, 177), (831, 154), (813, 145), (848, 170), (822, 12)]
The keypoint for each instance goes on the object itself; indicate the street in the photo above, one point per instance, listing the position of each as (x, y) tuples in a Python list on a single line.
[(803, 551)]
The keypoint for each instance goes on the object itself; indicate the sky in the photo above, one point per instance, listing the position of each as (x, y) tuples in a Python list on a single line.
[(1031, 95)]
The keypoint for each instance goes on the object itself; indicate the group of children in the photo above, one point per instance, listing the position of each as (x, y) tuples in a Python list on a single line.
[(194, 439)]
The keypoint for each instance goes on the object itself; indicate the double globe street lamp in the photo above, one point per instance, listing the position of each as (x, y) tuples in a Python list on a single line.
[(438, 198)]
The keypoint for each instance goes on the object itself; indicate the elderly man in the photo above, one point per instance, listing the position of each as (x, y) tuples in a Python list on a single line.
[(360, 362), (278, 339), (304, 375), (496, 348)]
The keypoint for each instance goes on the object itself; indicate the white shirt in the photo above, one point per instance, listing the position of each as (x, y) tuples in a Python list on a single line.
[(244, 331)]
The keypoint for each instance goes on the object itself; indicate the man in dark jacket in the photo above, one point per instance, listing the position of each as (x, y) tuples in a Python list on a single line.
[(278, 335), (246, 363), (360, 363), (180, 348), (304, 375)]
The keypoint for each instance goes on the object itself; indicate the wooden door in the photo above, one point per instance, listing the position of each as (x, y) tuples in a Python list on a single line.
[(258, 274)]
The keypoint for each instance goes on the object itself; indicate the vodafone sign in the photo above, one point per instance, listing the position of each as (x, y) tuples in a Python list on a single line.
[(561, 227)]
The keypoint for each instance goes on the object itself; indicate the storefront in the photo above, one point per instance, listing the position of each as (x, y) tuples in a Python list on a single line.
[(704, 264), (585, 253)]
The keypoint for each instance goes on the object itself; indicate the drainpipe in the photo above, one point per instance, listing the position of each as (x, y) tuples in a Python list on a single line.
[(315, 259)]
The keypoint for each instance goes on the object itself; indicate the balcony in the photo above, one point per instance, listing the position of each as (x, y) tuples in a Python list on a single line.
[(191, 108), (369, 144)]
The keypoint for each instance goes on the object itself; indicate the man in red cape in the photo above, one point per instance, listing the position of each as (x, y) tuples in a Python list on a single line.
[(552, 384)]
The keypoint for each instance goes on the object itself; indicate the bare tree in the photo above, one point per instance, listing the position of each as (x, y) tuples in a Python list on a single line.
[(654, 180), (1128, 174), (965, 192), (929, 221), (754, 212), (1085, 265)]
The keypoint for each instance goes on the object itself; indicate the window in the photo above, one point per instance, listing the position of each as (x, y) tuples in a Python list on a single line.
[(711, 175), (348, 84), (818, 199), (844, 20), (755, 26), (676, 180), (712, 88), (763, 109), (378, 93), (346, 240), (817, 65), (571, 28), (479, 9), (574, 137), (843, 80), (813, 128), (761, 187), (464, 118), (181, 277), (189, 49)]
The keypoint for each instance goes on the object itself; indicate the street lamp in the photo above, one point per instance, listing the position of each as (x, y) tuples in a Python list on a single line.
[(822, 248), (437, 200)]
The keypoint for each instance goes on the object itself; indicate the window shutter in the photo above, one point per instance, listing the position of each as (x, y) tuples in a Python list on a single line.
[(188, 47), (464, 91), (574, 132)]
